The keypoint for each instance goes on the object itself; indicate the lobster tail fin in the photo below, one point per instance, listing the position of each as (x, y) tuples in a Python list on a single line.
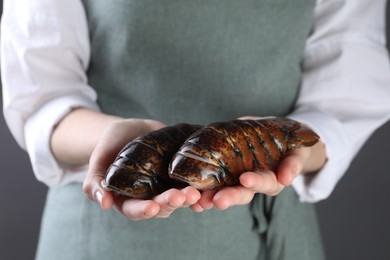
[(302, 137)]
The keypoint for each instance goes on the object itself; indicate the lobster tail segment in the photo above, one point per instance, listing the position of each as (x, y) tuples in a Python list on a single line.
[(133, 183), (203, 160), (196, 172)]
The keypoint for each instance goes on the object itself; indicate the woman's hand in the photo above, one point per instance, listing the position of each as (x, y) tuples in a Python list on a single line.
[(113, 139), (89, 136), (304, 160)]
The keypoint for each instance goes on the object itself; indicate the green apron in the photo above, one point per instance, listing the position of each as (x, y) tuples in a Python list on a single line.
[(193, 61)]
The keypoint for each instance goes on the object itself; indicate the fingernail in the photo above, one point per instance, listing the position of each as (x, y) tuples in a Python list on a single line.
[(197, 208), (99, 196)]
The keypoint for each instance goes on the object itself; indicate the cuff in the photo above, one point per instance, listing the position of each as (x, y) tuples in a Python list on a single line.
[(339, 154), (38, 130)]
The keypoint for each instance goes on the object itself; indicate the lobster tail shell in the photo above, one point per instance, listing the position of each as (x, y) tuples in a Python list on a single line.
[(219, 153), (141, 169)]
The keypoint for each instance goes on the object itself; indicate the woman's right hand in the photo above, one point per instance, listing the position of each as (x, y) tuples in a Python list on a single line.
[(87, 136), (112, 140)]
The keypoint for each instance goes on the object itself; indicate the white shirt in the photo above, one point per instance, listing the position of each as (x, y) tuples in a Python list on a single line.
[(345, 93)]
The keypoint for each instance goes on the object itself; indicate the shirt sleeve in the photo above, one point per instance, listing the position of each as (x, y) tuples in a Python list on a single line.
[(345, 93), (45, 53)]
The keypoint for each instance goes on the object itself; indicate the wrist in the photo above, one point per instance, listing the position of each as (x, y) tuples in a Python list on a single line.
[(76, 135), (316, 160)]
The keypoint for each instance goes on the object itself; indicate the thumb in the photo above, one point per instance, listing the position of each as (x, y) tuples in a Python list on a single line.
[(102, 156), (292, 165)]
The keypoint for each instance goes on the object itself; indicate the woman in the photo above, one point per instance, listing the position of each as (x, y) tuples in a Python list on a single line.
[(81, 79)]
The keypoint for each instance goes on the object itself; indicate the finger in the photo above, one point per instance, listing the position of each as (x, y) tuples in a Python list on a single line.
[(232, 196), (92, 185), (192, 196), (94, 190), (261, 182), (136, 209), (197, 208), (169, 201), (206, 199), (292, 165)]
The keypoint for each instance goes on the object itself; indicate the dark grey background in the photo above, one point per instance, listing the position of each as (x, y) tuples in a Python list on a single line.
[(354, 220)]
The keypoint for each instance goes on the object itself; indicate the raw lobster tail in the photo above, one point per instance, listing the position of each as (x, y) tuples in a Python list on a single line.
[(216, 155), (141, 169)]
